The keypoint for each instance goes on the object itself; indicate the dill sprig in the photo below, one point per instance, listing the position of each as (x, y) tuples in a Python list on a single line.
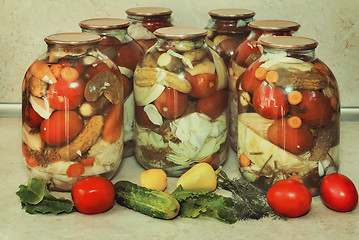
[(249, 201)]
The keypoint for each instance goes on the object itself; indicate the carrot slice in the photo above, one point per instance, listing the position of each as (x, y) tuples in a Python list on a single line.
[(272, 76), (42, 71), (75, 170), (69, 74), (56, 70), (294, 122), (244, 160), (295, 97), (24, 147), (31, 162), (112, 128), (88, 161), (261, 73)]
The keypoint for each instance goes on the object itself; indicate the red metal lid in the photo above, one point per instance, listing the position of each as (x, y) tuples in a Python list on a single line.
[(149, 11), (231, 13), (274, 25), (180, 32), (289, 42), (72, 38), (104, 23)]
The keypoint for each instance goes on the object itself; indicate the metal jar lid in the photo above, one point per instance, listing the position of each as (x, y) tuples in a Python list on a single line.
[(180, 32), (274, 25), (231, 13), (73, 38), (289, 42), (104, 23), (149, 11)]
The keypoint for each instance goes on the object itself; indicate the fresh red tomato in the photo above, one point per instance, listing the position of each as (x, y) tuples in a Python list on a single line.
[(294, 140), (129, 55), (203, 85), (338, 192), (171, 103), (315, 109), (93, 195), (289, 198), (65, 95), (142, 118), (249, 82), (214, 105), (61, 127), (31, 117), (246, 53), (270, 102)]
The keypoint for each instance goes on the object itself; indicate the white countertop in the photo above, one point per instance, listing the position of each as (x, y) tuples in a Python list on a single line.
[(122, 223)]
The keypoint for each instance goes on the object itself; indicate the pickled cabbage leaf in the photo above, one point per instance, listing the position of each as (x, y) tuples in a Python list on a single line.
[(202, 203), (36, 198)]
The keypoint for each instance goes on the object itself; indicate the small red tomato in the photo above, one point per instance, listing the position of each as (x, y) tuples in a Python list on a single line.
[(142, 118), (270, 102), (31, 117), (93, 194), (129, 55), (171, 103), (61, 127), (246, 53), (315, 109), (289, 198), (249, 82), (226, 49), (338, 192), (72, 63), (294, 140), (65, 95), (203, 85), (214, 105), (93, 70)]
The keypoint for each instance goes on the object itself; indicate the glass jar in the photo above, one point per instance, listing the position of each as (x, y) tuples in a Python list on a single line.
[(288, 126), (125, 53), (227, 29), (72, 103), (246, 53), (180, 89), (144, 21)]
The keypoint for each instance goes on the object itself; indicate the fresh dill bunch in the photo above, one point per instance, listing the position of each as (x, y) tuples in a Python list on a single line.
[(249, 201)]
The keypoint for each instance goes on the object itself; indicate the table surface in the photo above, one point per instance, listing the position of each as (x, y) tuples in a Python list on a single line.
[(122, 223)]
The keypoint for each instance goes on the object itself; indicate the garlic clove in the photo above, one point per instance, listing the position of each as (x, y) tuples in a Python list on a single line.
[(32, 140), (41, 106)]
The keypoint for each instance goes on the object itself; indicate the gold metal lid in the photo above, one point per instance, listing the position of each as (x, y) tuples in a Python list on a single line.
[(72, 38), (274, 25), (231, 13), (289, 42), (180, 32), (149, 11), (104, 23)]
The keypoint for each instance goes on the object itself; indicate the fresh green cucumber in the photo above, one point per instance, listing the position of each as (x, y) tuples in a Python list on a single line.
[(151, 202)]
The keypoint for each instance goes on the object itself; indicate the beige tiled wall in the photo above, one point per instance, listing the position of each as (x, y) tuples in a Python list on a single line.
[(24, 24)]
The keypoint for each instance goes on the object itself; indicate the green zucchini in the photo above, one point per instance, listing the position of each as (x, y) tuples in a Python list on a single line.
[(151, 202)]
